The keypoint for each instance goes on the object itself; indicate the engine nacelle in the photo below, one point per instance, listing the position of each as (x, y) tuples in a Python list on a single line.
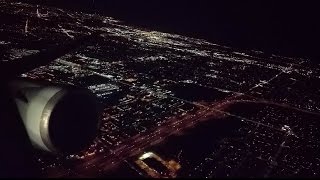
[(58, 119)]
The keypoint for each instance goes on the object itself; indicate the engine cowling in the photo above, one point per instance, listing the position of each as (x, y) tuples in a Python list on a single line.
[(58, 119)]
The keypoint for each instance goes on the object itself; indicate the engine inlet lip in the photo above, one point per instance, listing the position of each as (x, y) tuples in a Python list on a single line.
[(45, 120)]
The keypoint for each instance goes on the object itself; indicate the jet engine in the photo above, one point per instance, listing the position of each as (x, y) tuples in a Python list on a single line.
[(57, 118)]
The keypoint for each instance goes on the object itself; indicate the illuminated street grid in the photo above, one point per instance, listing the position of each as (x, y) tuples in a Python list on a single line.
[(149, 81)]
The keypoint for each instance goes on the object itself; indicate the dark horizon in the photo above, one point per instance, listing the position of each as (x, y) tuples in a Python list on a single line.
[(286, 28)]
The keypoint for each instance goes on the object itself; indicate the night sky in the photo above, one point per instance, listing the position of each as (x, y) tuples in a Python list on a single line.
[(287, 28)]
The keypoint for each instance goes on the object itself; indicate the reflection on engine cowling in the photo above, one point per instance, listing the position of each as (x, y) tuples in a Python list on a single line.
[(58, 119)]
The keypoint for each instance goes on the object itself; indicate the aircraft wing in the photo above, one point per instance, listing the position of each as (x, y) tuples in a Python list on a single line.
[(14, 68)]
